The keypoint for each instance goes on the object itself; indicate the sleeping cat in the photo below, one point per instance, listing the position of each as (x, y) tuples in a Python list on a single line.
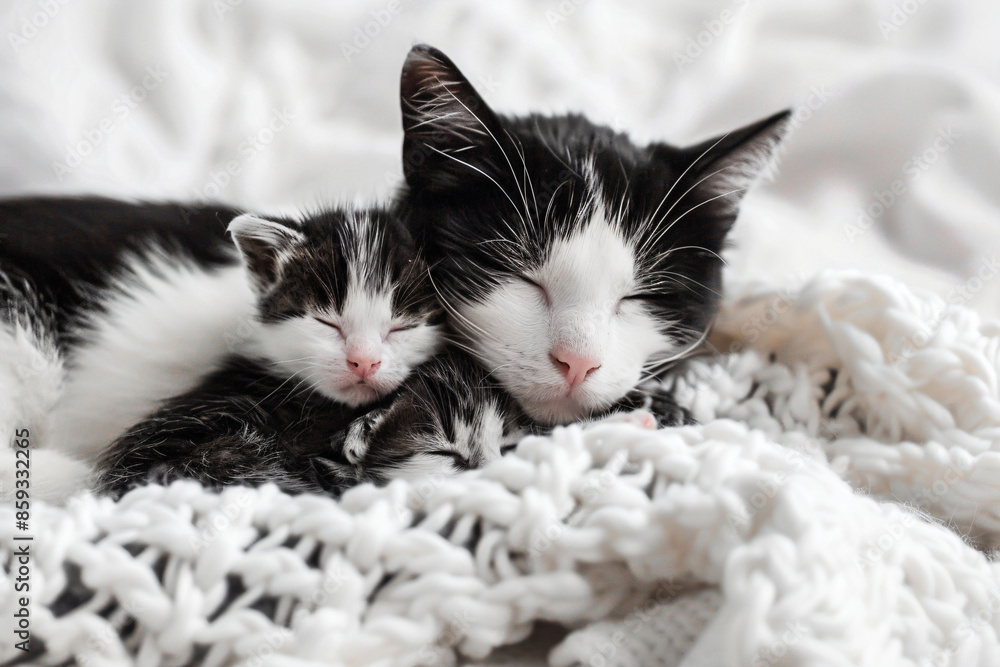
[(574, 265), (145, 300), (267, 415)]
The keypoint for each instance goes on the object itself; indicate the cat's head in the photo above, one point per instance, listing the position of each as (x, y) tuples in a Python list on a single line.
[(344, 303), (446, 418), (572, 262)]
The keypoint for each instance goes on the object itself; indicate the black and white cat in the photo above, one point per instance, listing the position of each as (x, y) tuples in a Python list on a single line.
[(573, 264), (137, 303), (268, 414)]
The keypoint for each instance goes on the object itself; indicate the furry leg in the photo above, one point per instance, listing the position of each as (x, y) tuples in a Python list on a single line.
[(31, 376)]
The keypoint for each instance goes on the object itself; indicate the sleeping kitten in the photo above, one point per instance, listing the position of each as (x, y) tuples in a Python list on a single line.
[(449, 416), (253, 421), (150, 304), (243, 424), (573, 264)]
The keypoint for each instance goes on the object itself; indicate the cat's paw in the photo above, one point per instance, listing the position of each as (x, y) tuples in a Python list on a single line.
[(640, 418), (359, 434), (668, 413)]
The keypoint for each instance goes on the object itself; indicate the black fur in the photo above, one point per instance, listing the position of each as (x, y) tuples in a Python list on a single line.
[(69, 248), (242, 425)]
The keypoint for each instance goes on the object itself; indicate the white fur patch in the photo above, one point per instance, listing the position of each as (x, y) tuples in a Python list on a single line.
[(166, 325), (585, 277), (31, 377)]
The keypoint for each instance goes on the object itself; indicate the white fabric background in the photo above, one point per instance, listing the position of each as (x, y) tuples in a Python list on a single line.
[(883, 77)]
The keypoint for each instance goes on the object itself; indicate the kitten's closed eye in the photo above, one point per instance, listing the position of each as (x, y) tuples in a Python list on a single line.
[(457, 459), (331, 325), (409, 326)]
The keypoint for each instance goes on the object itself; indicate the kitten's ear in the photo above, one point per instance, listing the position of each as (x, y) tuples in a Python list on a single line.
[(449, 132), (263, 243), (727, 166)]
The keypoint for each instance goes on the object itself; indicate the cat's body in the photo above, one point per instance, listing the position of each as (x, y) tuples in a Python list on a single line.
[(243, 424), (336, 303)]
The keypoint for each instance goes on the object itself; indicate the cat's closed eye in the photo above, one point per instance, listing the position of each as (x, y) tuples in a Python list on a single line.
[(544, 293), (457, 459), (330, 324), (408, 326)]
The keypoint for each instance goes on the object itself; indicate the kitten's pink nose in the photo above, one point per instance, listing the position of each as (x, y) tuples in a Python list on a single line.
[(575, 366), (363, 365)]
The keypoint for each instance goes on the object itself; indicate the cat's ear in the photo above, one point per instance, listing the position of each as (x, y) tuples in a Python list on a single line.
[(727, 166), (450, 134), (710, 179), (263, 244)]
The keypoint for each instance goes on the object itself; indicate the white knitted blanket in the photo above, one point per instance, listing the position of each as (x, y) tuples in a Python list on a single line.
[(827, 511)]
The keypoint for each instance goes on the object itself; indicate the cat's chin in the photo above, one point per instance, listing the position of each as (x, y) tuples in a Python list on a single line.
[(561, 409), (354, 395)]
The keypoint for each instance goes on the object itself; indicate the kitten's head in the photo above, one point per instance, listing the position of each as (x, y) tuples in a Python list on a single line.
[(446, 418), (572, 262), (344, 303)]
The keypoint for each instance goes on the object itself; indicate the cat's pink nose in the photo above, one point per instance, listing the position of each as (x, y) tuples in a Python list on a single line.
[(363, 365), (575, 366)]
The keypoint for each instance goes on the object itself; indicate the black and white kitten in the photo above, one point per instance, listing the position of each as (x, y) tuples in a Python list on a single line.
[(147, 299), (268, 415), (243, 424), (447, 417), (572, 263)]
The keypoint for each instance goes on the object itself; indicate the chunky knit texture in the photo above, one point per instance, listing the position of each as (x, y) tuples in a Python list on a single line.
[(823, 513)]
